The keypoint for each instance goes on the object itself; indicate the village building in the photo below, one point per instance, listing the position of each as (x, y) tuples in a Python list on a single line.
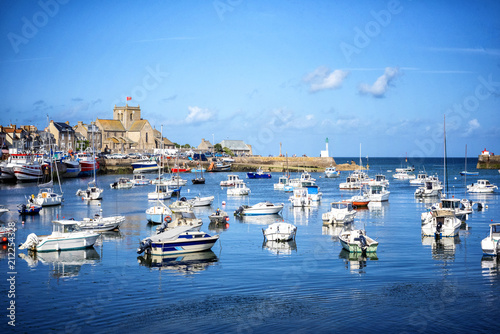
[(64, 135), (205, 146), (238, 147), (87, 135)]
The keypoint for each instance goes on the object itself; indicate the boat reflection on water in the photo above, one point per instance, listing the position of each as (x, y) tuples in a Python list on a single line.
[(335, 229), (260, 220), (490, 266), (302, 215), (442, 249), (110, 236), (378, 209), (64, 264), (218, 227), (357, 262), (185, 264), (280, 247)]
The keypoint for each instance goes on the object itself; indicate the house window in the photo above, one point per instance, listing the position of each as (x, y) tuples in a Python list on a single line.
[(146, 137), (131, 116)]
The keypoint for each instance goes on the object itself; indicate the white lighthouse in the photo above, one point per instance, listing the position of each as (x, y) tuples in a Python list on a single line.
[(324, 154)]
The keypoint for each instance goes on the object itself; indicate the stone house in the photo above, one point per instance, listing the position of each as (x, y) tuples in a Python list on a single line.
[(238, 147), (64, 135)]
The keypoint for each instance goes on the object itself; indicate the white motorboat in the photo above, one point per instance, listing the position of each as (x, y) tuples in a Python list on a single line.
[(140, 180), (300, 198), (175, 180), (441, 223), (262, 208), (420, 179), (232, 179), (461, 208), (177, 240), (481, 186), (238, 189), (93, 192), (159, 213), (377, 192), (280, 232), (181, 205), (47, 197), (218, 216), (431, 188), (404, 174), (332, 172), (380, 179), (201, 201), (162, 192), (3, 210), (340, 213), (122, 183), (66, 235), (356, 241), (491, 244), (100, 224), (283, 182), (354, 181)]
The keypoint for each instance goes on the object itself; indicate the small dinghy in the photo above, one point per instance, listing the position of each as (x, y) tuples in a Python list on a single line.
[(356, 241)]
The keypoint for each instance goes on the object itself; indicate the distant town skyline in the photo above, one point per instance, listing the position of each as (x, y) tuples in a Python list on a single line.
[(381, 74)]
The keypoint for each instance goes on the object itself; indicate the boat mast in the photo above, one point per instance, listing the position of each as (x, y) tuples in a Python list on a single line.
[(445, 174), (465, 174)]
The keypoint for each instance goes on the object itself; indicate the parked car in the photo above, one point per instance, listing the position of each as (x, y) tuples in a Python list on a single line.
[(118, 156), (134, 156)]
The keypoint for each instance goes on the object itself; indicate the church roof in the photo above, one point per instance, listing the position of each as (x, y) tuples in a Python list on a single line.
[(111, 125), (137, 125)]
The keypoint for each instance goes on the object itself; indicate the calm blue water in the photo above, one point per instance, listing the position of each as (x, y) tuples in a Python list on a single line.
[(411, 285)]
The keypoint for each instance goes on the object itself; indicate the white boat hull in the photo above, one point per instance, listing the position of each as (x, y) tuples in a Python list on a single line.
[(280, 232), (78, 240), (181, 245)]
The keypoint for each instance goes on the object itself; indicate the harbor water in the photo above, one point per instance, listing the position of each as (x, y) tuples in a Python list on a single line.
[(245, 285)]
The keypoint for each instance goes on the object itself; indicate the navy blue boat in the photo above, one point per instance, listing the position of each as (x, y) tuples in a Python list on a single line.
[(259, 174)]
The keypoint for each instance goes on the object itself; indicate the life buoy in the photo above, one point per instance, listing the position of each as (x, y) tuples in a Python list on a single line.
[(167, 219)]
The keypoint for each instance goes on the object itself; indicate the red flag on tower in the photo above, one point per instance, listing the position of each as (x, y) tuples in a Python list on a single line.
[(129, 98)]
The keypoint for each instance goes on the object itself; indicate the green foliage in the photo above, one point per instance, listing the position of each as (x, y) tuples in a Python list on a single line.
[(228, 151), (218, 148)]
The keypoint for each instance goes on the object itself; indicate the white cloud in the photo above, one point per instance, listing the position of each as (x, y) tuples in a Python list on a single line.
[(198, 115), (472, 125), (380, 86), (322, 78)]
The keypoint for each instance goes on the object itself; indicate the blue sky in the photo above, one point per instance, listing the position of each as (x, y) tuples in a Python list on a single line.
[(377, 73)]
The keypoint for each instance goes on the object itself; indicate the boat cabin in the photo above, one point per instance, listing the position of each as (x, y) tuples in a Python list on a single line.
[(342, 206), (65, 226), (451, 203), (495, 231)]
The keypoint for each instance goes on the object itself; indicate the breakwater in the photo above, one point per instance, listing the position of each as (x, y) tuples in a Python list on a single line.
[(488, 162), (240, 164)]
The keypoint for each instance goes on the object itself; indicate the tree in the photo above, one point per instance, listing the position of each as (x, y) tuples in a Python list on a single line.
[(228, 151), (218, 148)]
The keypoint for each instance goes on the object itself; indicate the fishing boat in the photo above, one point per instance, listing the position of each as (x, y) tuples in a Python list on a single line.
[(218, 216), (178, 169), (441, 223), (403, 174), (262, 208), (100, 224), (259, 174), (491, 244), (162, 192), (73, 168), (178, 240), (29, 170), (340, 213), (122, 183), (380, 179), (354, 181), (145, 166), (231, 180), (332, 172), (280, 231), (219, 167), (282, 183), (66, 234), (140, 180), (482, 186), (7, 167), (88, 163), (356, 241), (238, 189), (159, 213)]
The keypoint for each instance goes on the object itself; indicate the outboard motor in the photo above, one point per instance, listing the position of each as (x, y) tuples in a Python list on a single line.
[(362, 241), (437, 235), (162, 227), (145, 246), (183, 199), (239, 211), (30, 243)]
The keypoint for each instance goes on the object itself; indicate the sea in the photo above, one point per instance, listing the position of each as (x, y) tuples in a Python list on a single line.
[(246, 285)]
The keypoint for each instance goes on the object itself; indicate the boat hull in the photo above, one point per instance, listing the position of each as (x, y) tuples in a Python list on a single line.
[(49, 244), (184, 245)]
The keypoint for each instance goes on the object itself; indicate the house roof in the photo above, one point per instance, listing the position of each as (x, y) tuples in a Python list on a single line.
[(111, 125), (205, 145), (235, 145), (137, 125), (63, 127)]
